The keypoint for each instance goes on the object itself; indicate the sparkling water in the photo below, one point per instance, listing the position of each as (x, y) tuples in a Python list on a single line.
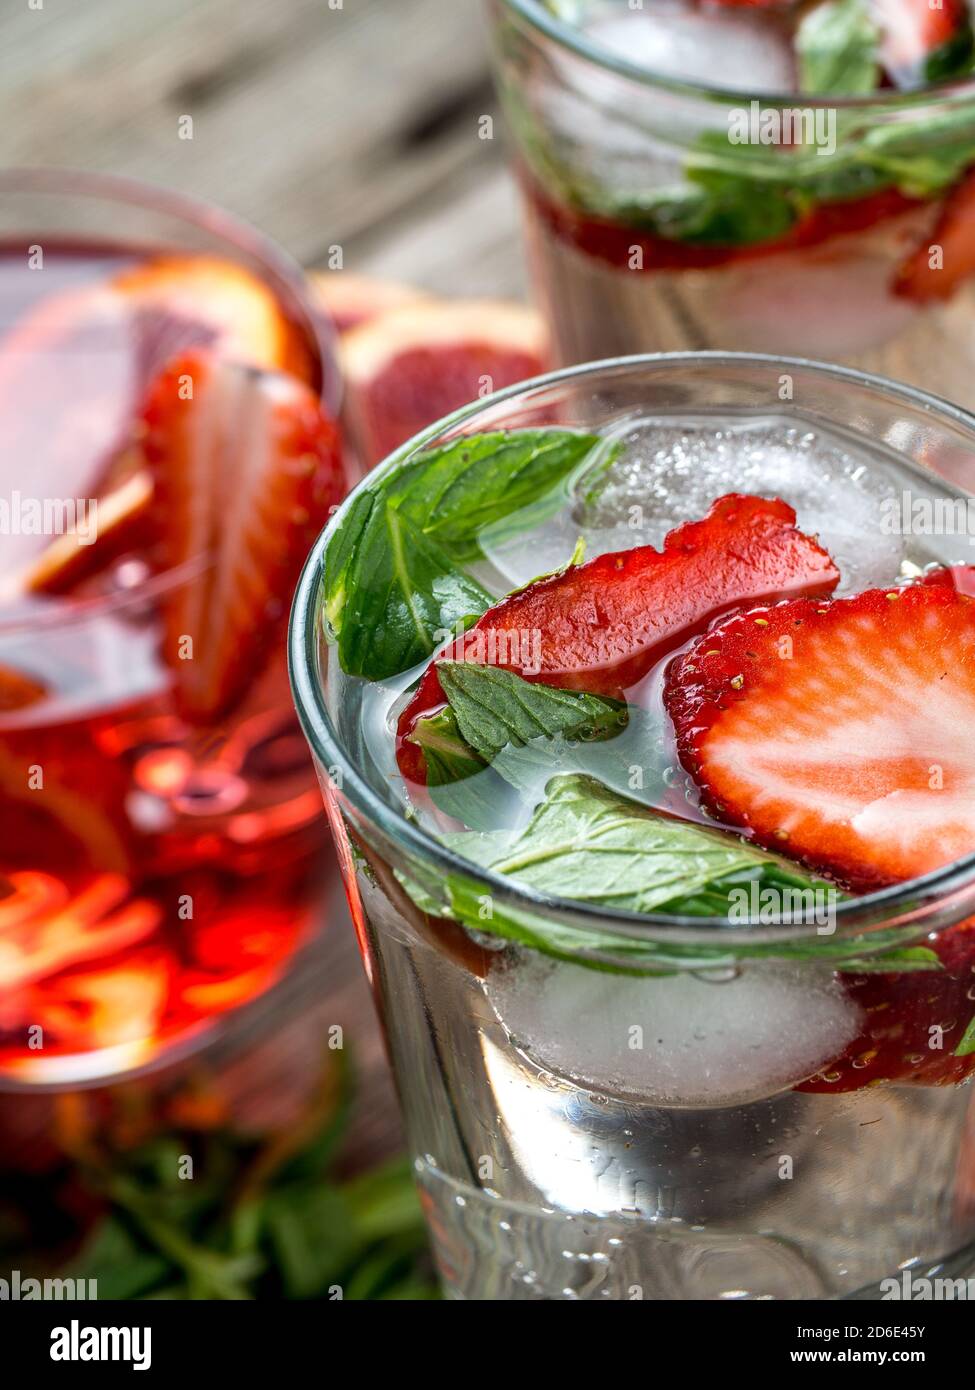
[(557, 1159)]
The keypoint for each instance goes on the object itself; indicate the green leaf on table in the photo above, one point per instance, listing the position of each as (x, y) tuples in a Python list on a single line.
[(313, 1235), (113, 1257), (836, 48), (392, 582)]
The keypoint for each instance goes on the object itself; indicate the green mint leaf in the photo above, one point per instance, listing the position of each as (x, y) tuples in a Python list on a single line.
[(912, 958), (479, 482), (836, 49), (391, 578), (494, 708), (460, 782), (400, 593), (588, 843), (967, 1045), (951, 58), (500, 732)]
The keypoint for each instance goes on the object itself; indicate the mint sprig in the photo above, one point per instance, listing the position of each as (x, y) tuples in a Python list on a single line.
[(393, 582), (495, 708), (588, 843), (498, 732)]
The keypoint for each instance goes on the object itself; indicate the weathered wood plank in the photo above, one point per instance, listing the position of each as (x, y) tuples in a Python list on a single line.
[(349, 126)]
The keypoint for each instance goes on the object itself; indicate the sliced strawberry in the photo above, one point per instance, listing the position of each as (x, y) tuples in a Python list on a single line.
[(954, 239), (245, 473), (834, 731), (408, 367), (912, 1023), (602, 626), (613, 241), (922, 41), (959, 577)]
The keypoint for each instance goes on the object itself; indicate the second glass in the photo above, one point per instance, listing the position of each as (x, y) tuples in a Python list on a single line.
[(805, 247)]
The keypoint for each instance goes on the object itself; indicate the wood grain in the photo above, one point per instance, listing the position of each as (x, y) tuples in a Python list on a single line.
[(355, 126)]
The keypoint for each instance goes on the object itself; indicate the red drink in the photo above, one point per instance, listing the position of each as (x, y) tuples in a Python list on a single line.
[(165, 459)]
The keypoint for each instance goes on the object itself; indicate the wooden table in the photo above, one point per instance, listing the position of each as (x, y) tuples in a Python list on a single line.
[(354, 127)]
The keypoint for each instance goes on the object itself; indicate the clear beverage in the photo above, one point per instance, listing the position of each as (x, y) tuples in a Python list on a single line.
[(737, 1126), (650, 230), (160, 861)]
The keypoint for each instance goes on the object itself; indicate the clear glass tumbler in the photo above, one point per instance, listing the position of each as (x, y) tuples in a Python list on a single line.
[(554, 1162), (792, 250)]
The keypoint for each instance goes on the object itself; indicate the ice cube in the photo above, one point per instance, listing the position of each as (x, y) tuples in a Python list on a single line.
[(670, 472), (676, 1040), (728, 48)]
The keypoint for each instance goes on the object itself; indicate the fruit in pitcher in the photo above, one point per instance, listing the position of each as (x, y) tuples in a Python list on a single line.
[(832, 731), (602, 625), (183, 302), (245, 466), (408, 367), (120, 525)]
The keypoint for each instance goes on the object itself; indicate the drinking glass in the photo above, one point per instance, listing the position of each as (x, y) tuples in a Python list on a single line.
[(595, 138), (160, 881), (554, 1160)]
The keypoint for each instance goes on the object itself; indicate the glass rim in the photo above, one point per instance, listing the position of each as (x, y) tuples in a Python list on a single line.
[(544, 22), (224, 226), (870, 911)]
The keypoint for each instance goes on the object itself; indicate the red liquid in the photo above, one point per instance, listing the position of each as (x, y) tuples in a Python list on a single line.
[(153, 875)]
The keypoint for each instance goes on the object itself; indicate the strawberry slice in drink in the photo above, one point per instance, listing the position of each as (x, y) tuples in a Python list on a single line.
[(946, 257), (602, 626), (75, 365), (246, 467), (913, 1023), (836, 732), (922, 41)]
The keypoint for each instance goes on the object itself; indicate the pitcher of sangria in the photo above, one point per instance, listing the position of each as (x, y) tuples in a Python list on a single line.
[(168, 449)]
